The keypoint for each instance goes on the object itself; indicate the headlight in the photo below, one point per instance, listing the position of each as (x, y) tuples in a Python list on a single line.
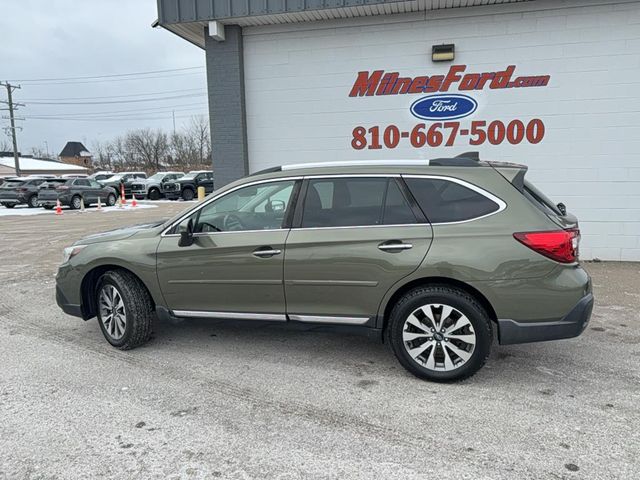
[(71, 252)]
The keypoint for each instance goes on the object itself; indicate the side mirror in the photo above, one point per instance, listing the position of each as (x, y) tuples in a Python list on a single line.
[(562, 208), (186, 234)]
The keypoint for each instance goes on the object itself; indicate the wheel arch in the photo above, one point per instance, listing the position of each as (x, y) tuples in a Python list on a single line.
[(425, 281), (90, 282)]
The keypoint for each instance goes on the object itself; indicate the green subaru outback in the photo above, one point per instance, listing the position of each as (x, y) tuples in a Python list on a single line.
[(432, 256)]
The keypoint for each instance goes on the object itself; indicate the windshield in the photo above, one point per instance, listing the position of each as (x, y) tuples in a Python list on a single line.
[(157, 177), (539, 198), (114, 178)]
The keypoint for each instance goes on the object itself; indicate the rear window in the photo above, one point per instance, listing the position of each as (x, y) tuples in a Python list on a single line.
[(12, 183), (539, 199), (445, 201)]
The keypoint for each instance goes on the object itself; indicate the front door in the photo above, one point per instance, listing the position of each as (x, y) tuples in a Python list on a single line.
[(356, 238), (205, 180), (234, 267)]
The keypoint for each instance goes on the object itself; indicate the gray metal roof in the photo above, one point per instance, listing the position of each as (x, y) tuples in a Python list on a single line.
[(188, 18)]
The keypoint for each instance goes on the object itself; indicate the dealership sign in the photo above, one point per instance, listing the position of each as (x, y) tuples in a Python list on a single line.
[(442, 109)]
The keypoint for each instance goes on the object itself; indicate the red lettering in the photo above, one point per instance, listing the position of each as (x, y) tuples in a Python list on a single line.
[(452, 76), (366, 84), (418, 85)]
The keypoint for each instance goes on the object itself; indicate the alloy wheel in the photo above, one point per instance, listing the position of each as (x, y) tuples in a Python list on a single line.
[(439, 337), (113, 314)]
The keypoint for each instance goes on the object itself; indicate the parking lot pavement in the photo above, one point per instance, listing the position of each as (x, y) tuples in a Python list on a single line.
[(209, 399)]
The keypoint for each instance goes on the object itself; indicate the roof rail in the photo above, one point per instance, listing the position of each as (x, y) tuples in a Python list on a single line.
[(468, 159)]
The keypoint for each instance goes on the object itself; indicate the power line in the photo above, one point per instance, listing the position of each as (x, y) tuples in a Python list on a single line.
[(117, 96), (120, 101), (110, 80), (116, 75), (166, 108), (107, 116), (114, 119)]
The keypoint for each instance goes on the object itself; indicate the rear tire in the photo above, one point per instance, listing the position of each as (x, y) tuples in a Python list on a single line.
[(128, 321), (9, 205), (188, 194), (154, 194), (33, 201), (455, 349), (111, 200)]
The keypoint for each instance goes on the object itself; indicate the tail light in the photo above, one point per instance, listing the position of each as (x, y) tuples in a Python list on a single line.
[(558, 245)]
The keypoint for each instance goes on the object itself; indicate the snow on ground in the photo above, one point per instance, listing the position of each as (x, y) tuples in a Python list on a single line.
[(23, 210)]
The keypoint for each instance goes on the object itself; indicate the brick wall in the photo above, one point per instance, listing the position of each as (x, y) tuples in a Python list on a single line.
[(227, 106), (298, 79)]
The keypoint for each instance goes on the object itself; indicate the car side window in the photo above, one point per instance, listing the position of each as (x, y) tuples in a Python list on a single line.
[(351, 202), (81, 182), (445, 201), (94, 184), (257, 207)]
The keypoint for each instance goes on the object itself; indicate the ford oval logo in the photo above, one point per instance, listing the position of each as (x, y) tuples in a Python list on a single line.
[(443, 107)]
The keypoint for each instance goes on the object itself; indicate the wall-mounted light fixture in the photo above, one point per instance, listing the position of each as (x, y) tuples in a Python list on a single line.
[(443, 53)]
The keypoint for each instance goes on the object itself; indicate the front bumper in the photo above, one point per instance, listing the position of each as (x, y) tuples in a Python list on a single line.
[(571, 325), (140, 194), (68, 308)]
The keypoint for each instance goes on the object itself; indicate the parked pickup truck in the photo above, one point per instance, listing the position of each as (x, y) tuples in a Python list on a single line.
[(187, 186), (126, 178), (151, 187)]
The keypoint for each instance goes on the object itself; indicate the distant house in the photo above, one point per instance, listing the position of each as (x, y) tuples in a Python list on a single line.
[(35, 166), (75, 153)]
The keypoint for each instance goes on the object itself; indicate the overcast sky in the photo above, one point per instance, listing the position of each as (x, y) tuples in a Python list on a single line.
[(78, 38)]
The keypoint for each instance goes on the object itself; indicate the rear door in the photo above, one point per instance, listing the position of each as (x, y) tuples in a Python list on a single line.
[(83, 187), (353, 238)]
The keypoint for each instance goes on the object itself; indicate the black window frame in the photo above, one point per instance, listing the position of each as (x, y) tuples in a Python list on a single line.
[(501, 204)]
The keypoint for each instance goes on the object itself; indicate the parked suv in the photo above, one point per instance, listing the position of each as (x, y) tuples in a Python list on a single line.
[(187, 186), (151, 188), (125, 178), (73, 192), (20, 190), (431, 255)]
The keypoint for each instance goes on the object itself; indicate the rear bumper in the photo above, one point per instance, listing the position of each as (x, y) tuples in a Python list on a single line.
[(571, 325)]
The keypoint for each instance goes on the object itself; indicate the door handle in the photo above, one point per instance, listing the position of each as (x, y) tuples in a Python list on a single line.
[(394, 246), (266, 252)]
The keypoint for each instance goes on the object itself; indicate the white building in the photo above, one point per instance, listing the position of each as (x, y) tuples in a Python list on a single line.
[(551, 84)]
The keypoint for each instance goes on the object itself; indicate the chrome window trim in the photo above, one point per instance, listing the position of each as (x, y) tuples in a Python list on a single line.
[(274, 317), (220, 195), (502, 205), (329, 319)]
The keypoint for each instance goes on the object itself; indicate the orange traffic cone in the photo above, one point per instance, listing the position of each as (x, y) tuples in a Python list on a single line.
[(58, 208), (133, 201), (124, 199), (82, 210)]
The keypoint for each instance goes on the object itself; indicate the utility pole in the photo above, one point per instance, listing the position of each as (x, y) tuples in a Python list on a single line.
[(12, 127), (173, 114)]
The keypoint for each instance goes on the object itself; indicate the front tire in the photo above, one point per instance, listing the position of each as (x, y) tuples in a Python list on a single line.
[(440, 333), (154, 194), (125, 310), (111, 200), (76, 203), (33, 201), (9, 205)]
